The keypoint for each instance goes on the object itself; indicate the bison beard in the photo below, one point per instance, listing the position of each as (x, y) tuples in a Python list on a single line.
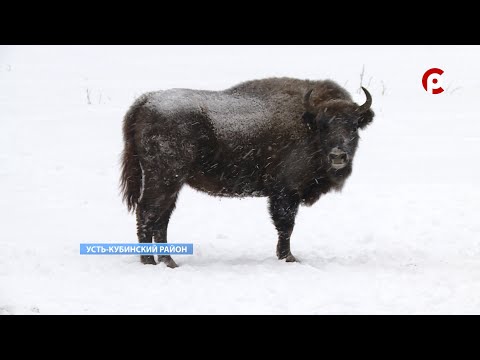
[(286, 139)]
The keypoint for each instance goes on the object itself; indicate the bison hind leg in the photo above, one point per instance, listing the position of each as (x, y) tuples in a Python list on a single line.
[(165, 164), (163, 206), (154, 210)]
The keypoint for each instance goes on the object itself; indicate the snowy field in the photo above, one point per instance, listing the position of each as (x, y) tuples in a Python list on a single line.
[(402, 238)]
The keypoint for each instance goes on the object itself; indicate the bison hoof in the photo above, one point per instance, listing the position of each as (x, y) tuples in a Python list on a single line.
[(147, 260), (167, 260), (290, 258), (287, 257)]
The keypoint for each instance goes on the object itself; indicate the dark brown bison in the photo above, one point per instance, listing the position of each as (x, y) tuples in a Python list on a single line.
[(287, 139)]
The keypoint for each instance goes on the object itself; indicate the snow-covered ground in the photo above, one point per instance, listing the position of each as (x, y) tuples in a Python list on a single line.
[(403, 237)]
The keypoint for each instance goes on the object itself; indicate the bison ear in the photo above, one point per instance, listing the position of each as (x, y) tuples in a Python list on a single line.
[(365, 119)]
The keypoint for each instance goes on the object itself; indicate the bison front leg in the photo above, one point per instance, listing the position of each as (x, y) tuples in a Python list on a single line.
[(283, 210)]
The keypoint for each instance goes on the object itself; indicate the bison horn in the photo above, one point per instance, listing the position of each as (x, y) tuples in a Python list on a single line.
[(364, 108), (306, 102)]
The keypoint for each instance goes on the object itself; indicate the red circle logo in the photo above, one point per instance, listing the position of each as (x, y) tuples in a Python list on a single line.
[(431, 81)]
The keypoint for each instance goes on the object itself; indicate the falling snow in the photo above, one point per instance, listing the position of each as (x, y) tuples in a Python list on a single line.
[(402, 237)]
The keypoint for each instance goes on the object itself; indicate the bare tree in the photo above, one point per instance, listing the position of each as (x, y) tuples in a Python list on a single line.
[(89, 101), (362, 74)]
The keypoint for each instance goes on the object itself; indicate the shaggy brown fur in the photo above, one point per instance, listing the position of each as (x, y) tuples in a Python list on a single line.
[(286, 139)]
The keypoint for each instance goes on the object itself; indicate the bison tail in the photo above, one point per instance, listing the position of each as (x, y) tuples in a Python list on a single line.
[(131, 177)]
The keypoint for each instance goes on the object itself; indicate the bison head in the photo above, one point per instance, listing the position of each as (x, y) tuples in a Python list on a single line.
[(335, 124)]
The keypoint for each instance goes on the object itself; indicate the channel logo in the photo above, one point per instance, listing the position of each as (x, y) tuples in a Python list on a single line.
[(432, 80)]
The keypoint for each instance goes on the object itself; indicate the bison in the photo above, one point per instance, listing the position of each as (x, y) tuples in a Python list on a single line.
[(287, 139)]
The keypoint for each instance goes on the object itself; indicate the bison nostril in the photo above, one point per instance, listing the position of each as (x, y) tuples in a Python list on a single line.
[(338, 155)]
